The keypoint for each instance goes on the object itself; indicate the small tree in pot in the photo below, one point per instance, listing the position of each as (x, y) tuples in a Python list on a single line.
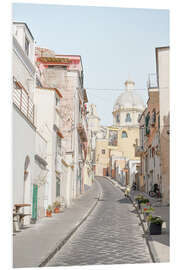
[(49, 211), (56, 207)]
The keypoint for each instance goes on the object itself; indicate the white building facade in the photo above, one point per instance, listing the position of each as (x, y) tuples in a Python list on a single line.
[(24, 130), (47, 102)]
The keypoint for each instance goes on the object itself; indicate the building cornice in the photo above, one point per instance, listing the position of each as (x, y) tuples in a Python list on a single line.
[(128, 110)]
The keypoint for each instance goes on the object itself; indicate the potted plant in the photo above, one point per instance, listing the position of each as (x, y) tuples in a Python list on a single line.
[(155, 224), (56, 207), (49, 211), (139, 198), (144, 203), (147, 212)]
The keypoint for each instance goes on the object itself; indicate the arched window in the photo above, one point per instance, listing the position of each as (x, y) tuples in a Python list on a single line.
[(124, 134), (117, 118), (128, 117)]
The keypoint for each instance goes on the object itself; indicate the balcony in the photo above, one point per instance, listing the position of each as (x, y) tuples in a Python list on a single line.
[(58, 164), (152, 81), (22, 100), (82, 129)]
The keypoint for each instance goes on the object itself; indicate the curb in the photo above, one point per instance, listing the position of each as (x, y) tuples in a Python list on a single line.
[(63, 242), (148, 238)]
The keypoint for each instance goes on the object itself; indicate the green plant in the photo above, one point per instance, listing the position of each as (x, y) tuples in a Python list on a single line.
[(148, 210), (144, 200), (49, 208), (155, 220), (56, 204), (139, 198)]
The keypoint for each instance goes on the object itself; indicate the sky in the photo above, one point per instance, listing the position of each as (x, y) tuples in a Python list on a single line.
[(115, 44)]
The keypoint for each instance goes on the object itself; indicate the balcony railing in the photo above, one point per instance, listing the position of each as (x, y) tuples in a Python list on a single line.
[(58, 163), (152, 81), (22, 100)]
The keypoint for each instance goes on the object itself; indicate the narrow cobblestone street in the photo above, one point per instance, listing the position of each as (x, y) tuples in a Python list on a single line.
[(110, 235)]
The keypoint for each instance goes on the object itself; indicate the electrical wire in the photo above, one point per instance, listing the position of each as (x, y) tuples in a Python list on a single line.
[(121, 89)]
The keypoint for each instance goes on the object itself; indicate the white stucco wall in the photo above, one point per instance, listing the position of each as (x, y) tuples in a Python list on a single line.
[(45, 110), (20, 31), (40, 174), (132, 170), (23, 145)]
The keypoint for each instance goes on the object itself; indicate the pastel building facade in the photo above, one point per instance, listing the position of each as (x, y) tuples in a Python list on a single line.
[(162, 67), (65, 72), (154, 142), (28, 159), (47, 102), (117, 145)]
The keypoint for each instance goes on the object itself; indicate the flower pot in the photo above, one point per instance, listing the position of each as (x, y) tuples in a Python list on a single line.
[(56, 210), (146, 215), (155, 229), (48, 213)]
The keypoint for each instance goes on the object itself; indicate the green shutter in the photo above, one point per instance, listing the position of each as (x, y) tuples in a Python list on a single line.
[(34, 206)]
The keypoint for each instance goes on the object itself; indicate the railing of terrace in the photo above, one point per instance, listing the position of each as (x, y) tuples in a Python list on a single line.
[(22, 100)]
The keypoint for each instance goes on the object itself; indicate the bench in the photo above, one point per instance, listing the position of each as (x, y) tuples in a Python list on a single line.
[(18, 217)]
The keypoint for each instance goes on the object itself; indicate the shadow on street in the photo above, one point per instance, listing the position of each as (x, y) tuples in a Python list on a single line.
[(124, 200)]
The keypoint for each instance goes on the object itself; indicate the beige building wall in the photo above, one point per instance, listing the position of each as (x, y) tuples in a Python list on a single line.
[(102, 158), (124, 148), (125, 145), (162, 58)]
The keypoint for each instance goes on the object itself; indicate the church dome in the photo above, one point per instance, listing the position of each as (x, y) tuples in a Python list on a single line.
[(129, 99)]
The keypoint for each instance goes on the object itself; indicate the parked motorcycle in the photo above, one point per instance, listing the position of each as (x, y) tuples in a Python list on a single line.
[(155, 192), (134, 187)]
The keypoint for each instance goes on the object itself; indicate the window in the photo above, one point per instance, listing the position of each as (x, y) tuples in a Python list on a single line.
[(103, 151), (117, 118), (153, 118), (147, 118), (58, 145), (26, 46), (57, 101), (159, 121), (128, 117), (57, 187), (124, 134)]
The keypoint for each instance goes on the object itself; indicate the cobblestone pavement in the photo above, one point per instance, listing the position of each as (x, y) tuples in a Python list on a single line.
[(110, 235)]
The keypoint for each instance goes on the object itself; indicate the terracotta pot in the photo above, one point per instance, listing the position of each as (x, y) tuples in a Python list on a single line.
[(56, 210), (48, 213)]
